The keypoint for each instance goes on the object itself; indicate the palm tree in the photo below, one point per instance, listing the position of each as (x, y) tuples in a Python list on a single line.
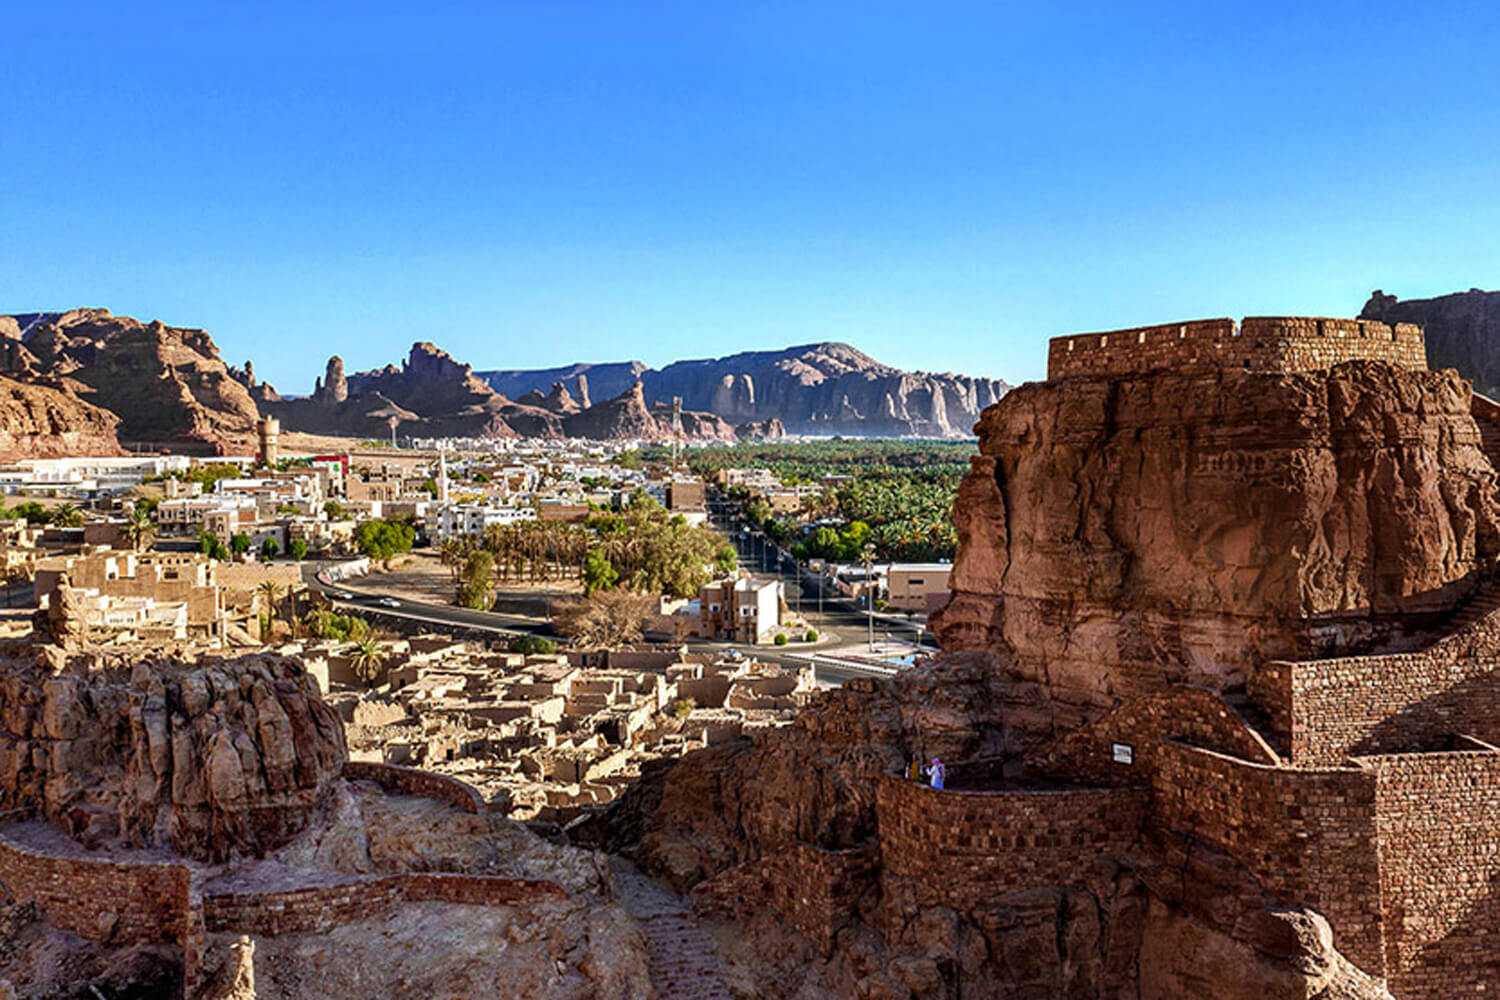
[(270, 591), (366, 658), (139, 529), (66, 516)]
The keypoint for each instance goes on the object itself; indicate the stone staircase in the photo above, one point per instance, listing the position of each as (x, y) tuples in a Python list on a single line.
[(682, 959), (1486, 414), (1483, 602)]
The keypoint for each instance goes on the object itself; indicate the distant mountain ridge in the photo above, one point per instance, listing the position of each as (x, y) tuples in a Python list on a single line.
[(820, 388)]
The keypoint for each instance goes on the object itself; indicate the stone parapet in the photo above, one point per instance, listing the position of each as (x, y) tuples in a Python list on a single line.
[(1258, 343), (417, 783)]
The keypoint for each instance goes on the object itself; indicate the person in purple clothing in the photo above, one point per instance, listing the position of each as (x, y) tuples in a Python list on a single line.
[(937, 773)]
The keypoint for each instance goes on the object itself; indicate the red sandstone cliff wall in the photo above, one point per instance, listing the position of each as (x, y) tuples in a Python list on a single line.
[(1116, 535)]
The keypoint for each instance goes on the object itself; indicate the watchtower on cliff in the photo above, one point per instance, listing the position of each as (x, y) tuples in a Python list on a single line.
[(1256, 343)]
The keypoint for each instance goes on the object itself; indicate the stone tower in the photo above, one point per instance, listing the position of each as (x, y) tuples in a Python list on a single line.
[(269, 429)]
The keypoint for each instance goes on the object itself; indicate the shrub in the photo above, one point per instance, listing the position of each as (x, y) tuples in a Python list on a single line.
[(780, 639), (811, 636), (298, 549), (532, 645), (682, 707)]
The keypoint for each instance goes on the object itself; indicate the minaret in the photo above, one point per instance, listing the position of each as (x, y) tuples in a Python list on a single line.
[(269, 429), (442, 495)]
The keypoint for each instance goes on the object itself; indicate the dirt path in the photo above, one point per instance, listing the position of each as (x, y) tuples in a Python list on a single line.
[(682, 959)]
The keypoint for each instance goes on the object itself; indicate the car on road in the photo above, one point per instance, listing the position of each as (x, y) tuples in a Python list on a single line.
[(342, 595), (388, 602)]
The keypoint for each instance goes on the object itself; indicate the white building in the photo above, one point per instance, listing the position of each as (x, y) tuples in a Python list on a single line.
[(472, 518)]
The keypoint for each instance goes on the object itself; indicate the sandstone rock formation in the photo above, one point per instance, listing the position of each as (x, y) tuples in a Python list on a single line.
[(826, 388), (46, 418), (433, 395), (1119, 534), (1462, 331), (210, 758), (168, 385)]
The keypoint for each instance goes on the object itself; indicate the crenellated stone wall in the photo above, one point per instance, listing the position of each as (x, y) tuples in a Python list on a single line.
[(1258, 343)]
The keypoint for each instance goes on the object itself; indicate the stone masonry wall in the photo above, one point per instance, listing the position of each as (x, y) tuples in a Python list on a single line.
[(415, 782), (1196, 715), (121, 903), (1329, 709), (1259, 343), (1308, 836), (1439, 821), (315, 909), (966, 846)]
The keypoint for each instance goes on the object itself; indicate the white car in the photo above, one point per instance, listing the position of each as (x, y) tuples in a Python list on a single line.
[(388, 602)]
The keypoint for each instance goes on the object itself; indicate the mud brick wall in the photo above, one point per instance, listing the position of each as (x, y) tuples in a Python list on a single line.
[(478, 890), (1308, 836), (1259, 343), (1195, 715), (969, 846), (1439, 821), (418, 783), (1398, 702), (100, 900)]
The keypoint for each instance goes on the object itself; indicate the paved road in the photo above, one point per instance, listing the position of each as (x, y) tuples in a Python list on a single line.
[(441, 615)]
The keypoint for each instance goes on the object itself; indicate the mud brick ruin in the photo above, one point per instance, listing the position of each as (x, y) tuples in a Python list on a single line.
[(1219, 694)]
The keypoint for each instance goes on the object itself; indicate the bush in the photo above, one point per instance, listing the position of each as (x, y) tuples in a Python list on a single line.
[(298, 549), (532, 645), (269, 549), (780, 639), (682, 707), (811, 636)]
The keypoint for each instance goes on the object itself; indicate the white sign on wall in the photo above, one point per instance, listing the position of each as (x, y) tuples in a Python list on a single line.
[(1124, 753)]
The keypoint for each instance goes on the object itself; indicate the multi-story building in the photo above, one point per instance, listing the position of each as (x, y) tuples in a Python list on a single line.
[(740, 609), (914, 586)]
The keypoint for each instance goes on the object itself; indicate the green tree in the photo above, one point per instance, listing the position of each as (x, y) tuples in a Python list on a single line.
[(297, 549), (139, 528), (67, 516), (382, 540), (598, 572), (269, 548), (726, 560), (477, 589), (532, 645), (239, 543), (334, 511), (366, 659)]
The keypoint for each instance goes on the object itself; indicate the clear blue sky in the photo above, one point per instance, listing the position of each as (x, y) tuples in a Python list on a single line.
[(944, 185)]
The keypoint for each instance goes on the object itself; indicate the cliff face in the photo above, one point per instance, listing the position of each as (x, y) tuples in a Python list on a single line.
[(211, 759), (1118, 534), (827, 388), (168, 385), (433, 395), (41, 420), (1463, 331)]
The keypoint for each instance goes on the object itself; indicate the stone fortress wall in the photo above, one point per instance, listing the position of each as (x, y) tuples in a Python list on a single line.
[(1257, 343)]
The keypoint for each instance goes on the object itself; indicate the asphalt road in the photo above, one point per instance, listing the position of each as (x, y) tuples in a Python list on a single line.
[(441, 615)]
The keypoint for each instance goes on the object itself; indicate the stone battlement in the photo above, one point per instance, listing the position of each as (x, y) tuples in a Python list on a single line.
[(1257, 343)]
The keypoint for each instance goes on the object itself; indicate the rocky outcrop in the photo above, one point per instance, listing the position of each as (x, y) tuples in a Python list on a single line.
[(1115, 535), (762, 430), (826, 388), (168, 385), (1462, 330), (433, 395), (209, 758), (46, 418)]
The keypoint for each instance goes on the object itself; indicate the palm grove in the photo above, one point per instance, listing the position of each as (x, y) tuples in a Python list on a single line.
[(641, 548)]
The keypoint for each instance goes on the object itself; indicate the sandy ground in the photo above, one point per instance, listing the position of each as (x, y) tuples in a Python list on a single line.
[(421, 576)]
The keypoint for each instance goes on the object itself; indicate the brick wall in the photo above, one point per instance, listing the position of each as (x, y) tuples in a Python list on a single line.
[(1439, 821), (418, 783), (968, 846), (100, 900), (1196, 715), (1259, 343), (315, 909), (1308, 836), (1329, 709)]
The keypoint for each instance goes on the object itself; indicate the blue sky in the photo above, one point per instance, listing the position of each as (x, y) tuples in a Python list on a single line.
[(944, 185)]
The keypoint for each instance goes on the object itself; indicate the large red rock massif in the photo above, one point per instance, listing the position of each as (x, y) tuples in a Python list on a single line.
[(1462, 330), (168, 385), (824, 388), (1217, 684), (48, 419)]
